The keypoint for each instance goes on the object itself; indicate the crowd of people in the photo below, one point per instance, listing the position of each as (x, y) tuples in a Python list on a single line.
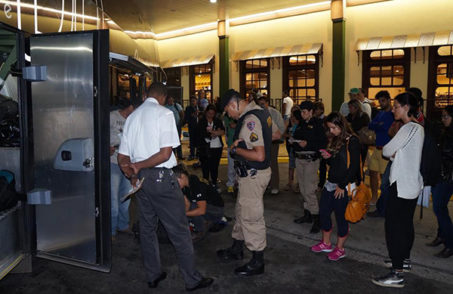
[(328, 155)]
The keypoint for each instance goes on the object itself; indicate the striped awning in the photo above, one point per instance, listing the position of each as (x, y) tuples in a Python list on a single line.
[(196, 60), (406, 41), (278, 51)]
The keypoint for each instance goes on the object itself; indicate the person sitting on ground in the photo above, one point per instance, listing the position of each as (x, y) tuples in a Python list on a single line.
[(204, 206)]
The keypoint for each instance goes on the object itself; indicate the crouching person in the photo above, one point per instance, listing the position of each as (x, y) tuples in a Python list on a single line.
[(204, 205)]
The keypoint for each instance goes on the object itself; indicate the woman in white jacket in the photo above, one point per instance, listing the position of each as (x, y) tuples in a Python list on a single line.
[(405, 151)]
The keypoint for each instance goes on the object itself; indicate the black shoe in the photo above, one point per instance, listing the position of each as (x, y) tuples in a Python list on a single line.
[(205, 282), (305, 219), (375, 213), (254, 267), (436, 242), (445, 253), (235, 252), (316, 228), (159, 279), (393, 279)]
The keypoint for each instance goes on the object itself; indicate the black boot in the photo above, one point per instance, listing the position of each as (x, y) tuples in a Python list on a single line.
[(254, 267), (235, 252), (305, 219), (436, 242), (316, 225)]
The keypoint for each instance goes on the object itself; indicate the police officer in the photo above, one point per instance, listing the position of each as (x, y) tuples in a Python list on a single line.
[(308, 139), (251, 150)]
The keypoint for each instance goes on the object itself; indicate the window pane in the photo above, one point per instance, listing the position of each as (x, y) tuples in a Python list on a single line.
[(375, 71), (398, 80), (392, 90), (311, 93), (375, 54), (248, 64), (263, 62), (311, 59), (293, 60), (301, 92), (444, 97), (387, 54), (398, 70), (310, 82), (375, 81), (445, 50), (399, 53)]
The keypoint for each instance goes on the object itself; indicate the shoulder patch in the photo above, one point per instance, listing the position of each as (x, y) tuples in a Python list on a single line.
[(269, 121), (253, 137), (251, 125)]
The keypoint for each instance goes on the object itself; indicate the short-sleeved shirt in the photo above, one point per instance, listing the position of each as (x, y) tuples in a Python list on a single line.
[(251, 131), (289, 104), (176, 109), (148, 129), (199, 191), (116, 131)]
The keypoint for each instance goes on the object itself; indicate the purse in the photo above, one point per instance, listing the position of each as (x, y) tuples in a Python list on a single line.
[(360, 197), (366, 136)]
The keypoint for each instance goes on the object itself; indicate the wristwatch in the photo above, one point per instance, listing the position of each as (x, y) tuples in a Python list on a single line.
[(233, 150)]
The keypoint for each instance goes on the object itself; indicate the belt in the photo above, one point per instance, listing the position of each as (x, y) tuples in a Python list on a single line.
[(379, 147), (307, 156)]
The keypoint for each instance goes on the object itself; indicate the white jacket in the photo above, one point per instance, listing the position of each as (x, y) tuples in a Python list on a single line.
[(405, 150)]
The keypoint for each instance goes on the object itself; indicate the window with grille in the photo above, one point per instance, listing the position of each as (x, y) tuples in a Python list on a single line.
[(301, 77), (386, 70), (201, 79), (255, 76), (440, 84)]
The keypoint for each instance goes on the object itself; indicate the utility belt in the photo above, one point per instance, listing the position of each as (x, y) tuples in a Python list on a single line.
[(243, 170), (307, 155)]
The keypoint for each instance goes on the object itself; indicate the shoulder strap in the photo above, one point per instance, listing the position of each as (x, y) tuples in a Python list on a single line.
[(347, 167)]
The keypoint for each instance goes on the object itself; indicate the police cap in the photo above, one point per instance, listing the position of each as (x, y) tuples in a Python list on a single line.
[(227, 96)]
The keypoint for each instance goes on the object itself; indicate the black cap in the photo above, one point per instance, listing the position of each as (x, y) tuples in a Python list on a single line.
[(226, 97), (308, 105)]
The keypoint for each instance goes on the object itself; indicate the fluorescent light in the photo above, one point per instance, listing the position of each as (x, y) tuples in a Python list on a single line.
[(31, 6), (213, 1)]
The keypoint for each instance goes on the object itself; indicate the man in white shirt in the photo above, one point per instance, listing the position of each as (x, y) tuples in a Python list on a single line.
[(286, 107), (356, 93), (119, 184), (146, 152)]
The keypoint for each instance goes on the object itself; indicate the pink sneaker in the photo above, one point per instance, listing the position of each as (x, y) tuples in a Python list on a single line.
[(336, 254), (321, 247)]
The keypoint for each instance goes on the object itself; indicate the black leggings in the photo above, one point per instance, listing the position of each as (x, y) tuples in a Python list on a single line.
[(210, 161), (399, 227)]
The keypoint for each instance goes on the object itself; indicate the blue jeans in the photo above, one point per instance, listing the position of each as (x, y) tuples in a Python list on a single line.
[(381, 204), (119, 186), (441, 195)]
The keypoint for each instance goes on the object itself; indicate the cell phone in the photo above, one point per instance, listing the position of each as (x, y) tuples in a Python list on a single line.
[(325, 151)]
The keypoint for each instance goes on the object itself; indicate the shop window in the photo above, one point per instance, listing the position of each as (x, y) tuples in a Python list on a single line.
[(255, 76), (301, 77), (386, 70), (201, 79), (440, 84), (173, 76)]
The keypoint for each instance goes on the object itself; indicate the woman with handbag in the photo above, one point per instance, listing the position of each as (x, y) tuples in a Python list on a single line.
[(341, 181), (406, 182), (210, 145)]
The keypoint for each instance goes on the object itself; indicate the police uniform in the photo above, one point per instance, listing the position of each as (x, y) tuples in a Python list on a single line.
[(307, 165), (254, 131)]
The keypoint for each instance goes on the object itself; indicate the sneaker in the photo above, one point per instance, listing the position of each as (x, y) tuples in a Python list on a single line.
[(407, 266), (230, 189), (274, 191), (336, 254), (393, 279), (321, 247)]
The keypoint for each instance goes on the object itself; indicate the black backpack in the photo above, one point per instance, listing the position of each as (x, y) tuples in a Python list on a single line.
[(8, 195)]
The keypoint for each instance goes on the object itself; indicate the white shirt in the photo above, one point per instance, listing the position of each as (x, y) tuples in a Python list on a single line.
[(289, 104), (116, 131), (407, 147), (366, 108), (149, 128)]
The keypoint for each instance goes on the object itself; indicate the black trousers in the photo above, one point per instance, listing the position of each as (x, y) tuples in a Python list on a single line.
[(399, 227), (210, 160), (160, 198)]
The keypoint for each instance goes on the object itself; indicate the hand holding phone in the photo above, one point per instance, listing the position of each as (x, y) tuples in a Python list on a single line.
[(325, 154)]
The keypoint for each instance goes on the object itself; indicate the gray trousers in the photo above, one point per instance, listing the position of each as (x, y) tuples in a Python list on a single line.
[(160, 198)]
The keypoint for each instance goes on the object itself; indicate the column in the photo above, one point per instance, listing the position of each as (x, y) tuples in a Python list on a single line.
[(224, 57), (338, 54)]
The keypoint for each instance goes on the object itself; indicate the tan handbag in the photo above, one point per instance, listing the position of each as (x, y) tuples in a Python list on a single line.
[(360, 197)]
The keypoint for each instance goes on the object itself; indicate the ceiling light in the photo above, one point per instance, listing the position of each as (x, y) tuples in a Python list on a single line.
[(213, 1)]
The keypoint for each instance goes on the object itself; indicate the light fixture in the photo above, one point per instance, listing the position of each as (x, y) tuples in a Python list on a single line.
[(213, 1)]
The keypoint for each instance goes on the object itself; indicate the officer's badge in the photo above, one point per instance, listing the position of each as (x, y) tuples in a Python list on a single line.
[(251, 125), (269, 121), (253, 137)]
